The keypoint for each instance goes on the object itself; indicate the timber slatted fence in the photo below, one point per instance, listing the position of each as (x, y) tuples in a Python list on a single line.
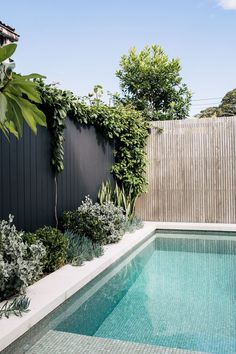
[(191, 171)]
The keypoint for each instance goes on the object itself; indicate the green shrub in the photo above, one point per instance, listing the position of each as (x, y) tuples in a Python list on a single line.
[(30, 238), (81, 249), (101, 223), (20, 263), (56, 247)]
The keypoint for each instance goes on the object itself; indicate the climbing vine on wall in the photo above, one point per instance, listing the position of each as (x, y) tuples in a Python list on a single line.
[(124, 125)]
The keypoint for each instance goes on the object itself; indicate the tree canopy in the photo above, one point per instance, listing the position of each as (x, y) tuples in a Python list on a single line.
[(227, 107), (152, 84)]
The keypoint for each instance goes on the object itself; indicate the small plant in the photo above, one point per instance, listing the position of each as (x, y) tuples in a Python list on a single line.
[(20, 263), (55, 244), (81, 249), (101, 223), (118, 195), (134, 224), (105, 193), (16, 307), (125, 200)]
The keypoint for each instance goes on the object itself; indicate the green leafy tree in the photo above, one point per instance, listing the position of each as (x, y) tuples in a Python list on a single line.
[(18, 97), (152, 83), (227, 107), (209, 112)]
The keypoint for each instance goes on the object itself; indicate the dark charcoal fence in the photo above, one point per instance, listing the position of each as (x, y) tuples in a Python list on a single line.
[(27, 188)]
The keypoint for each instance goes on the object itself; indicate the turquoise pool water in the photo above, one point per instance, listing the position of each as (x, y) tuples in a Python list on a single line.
[(177, 292)]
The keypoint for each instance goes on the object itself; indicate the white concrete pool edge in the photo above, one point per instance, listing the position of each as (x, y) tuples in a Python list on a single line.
[(54, 289)]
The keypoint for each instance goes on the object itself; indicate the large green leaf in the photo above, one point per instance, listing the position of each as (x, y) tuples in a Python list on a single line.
[(34, 76), (38, 115), (11, 88), (17, 97), (30, 112), (3, 107), (6, 51), (11, 128), (4, 129), (28, 88), (26, 113), (14, 115)]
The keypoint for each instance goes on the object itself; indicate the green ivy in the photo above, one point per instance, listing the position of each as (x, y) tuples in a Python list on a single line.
[(124, 125)]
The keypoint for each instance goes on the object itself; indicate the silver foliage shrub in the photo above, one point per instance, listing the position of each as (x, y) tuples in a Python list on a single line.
[(110, 220), (101, 223), (20, 263)]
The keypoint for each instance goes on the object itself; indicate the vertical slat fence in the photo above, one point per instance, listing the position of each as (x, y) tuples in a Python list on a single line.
[(27, 188), (191, 172)]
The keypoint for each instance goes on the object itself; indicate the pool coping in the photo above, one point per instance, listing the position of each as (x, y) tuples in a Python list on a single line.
[(52, 290)]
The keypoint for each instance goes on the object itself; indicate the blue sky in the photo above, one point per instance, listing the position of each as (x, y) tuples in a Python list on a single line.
[(79, 43)]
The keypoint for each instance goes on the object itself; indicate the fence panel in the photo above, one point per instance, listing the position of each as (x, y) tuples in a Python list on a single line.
[(191, 172), (27, 187)]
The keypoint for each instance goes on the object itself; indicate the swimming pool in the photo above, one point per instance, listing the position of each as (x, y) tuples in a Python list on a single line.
[(177, 290)]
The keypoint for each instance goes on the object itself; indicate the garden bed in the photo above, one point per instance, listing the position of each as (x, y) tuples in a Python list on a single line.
[(52, 290)]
